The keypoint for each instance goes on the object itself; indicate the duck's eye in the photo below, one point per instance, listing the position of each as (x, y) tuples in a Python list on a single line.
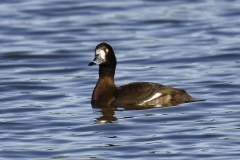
[(106, 50)]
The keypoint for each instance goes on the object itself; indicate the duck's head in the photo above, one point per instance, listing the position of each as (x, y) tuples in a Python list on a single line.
[(104, 54)]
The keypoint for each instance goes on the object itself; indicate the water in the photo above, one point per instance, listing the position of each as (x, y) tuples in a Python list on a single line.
[(46, 85)]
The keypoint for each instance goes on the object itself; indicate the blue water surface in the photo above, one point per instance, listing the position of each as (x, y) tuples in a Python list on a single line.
[(46, 84)]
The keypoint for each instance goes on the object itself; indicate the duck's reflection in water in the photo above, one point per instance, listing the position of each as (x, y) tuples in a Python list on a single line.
[(108, 113)]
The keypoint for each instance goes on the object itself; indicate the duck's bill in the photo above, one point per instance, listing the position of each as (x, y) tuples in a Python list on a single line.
[(97, 61)]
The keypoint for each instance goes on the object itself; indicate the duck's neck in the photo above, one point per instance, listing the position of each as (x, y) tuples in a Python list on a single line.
[(104, 90), (106, 72)]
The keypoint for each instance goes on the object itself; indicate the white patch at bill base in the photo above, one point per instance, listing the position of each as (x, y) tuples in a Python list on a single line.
[(102, 54)]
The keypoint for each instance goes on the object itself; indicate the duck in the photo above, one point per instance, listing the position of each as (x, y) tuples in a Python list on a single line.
[(106, 93)]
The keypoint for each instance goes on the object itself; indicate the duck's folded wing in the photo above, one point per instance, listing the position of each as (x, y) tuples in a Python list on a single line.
[(138, 93)]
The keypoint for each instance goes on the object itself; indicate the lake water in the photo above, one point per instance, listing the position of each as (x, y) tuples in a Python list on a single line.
[(46, 83)]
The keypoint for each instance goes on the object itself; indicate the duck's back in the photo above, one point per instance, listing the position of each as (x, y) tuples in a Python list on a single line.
[(146, 93)]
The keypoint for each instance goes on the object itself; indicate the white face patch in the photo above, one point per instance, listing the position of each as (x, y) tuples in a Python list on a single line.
[(101, 53), (155, 96), (100, 57)]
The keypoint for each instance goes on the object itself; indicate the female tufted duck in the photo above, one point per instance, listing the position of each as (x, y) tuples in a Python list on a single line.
[(106, 93)]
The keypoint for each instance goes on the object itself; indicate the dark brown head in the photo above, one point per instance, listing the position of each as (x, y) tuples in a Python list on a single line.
[(104, 55)]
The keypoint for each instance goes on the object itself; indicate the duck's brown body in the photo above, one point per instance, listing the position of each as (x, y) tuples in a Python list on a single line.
[(103, 93), (106, 93), (135, 93)]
